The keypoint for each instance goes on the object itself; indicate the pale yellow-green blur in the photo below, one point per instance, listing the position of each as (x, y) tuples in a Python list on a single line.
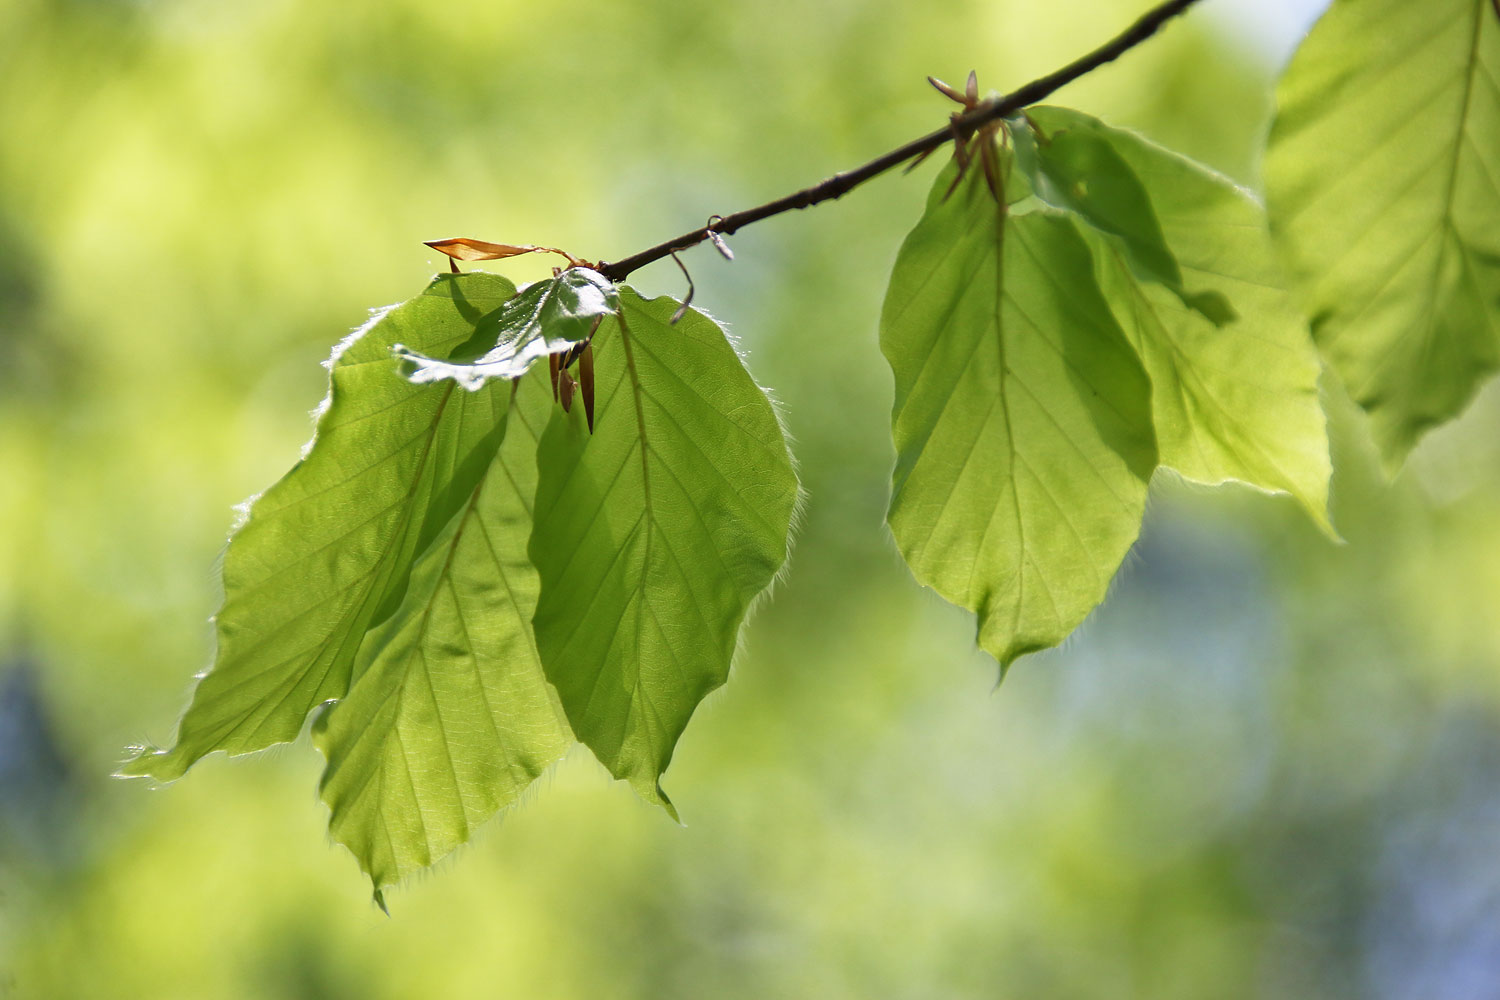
[(1266, 768)]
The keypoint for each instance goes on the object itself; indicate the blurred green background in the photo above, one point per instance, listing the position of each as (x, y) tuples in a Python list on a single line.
[(1265, 768)]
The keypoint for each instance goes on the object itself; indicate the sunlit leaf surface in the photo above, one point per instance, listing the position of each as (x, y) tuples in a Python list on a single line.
[(1079, 170), (451, 717), (1384, 191), (326, 553), (1022, 420), (1236, 401), (655, 533)]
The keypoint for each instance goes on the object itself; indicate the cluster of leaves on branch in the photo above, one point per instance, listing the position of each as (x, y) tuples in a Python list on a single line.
[(465, 575)]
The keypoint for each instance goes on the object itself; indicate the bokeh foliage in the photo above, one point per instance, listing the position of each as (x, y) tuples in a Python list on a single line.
[(1265, 768)]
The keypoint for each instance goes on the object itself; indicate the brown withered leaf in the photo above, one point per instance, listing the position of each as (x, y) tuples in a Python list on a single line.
[(468, 248), (464, 248)]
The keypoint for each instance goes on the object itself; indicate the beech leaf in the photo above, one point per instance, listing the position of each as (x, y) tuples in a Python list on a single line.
[(655, 533), (1022, 419), (327, 553), (451, 717), (1076, 168), (1383, 177), (1232, 401)]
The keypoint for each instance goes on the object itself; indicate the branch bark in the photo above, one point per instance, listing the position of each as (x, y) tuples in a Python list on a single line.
[(841, 183)]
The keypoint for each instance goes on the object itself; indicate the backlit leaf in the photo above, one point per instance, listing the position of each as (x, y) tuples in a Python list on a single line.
[(452, 717), (1231, 402), (1022, 420), (655, 533), (325, 554), (1383, 176), (1079, 170)]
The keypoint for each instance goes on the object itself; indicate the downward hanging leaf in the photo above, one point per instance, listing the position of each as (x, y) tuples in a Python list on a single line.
[(451, 717), (1384, 183), (655, 533), (1022, 420), (327, 552), (1232, 402), (548, 317)]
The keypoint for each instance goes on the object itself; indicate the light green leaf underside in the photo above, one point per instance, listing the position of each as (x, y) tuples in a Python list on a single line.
[(1232, 402), (1022, 420), (325, 553), (452, 717), (654, 535), (1079, 171), (548, 317), (1383, 177)]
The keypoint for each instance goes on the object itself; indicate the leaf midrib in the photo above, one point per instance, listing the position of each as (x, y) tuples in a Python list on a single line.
[(648, 510)]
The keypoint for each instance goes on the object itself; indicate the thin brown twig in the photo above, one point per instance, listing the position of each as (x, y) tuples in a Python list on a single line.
[(966, 124)]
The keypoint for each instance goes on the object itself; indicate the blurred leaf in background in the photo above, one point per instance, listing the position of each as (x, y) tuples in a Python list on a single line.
[(1264, 769)]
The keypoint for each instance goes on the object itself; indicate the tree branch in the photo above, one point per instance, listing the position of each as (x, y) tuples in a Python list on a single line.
[(965, 124)]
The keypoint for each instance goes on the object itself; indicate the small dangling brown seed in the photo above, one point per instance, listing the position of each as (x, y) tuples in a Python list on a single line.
[(565, 390)]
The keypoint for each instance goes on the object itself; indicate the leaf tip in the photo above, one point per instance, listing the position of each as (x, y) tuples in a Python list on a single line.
[(1322, 517), (1000, 676), (650, 789), (133, 766), (666, 804), (1393, 449), (151, 762)]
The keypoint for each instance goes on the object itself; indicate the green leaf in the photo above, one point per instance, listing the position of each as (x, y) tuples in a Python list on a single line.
[(548, 317), (655, 533), (452, 717), (1384, 191), (1234, 402), (1079, 170), (325, 553), (1022, 420)]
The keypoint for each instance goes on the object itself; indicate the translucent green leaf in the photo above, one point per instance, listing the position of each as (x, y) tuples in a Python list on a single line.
[(451, 717), (655, 533), (1022, 420), (1079, 170), (1234, 402), (548, 317), (1384, 191), (326, 552)]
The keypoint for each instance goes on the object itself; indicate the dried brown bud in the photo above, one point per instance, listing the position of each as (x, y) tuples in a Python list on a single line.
[(464, 248), (586, 381)]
